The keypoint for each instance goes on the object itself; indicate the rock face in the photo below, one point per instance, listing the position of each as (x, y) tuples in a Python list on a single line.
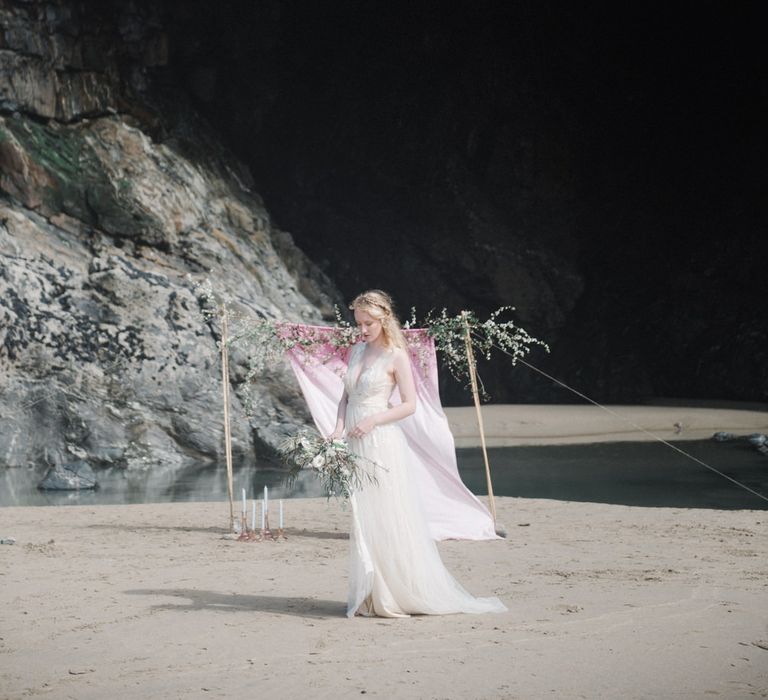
[(108, 220), (64, 60), (73, 476)]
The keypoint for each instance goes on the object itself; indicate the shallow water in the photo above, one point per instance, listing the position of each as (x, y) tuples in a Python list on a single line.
[(626, 473), (638, 474)]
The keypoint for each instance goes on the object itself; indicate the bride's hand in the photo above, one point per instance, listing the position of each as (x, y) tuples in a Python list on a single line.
[(363, 428)]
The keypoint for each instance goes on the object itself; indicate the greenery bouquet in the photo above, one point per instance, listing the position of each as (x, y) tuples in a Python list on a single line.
[(340, 471)]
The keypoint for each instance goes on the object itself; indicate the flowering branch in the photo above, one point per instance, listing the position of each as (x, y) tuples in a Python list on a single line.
[(450, 332)]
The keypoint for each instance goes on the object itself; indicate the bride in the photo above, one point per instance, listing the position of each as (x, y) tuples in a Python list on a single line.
[(395, 568)]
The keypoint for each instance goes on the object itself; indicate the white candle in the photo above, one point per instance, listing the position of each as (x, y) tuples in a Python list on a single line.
[(266, 499), (243, 502), (262, 514), (281, 513), (253, 515)]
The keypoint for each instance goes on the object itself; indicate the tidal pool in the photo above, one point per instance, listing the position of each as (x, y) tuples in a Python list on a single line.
[(629, 473)]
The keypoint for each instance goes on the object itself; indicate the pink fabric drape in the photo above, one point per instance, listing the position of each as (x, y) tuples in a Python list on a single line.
[(319, 364)]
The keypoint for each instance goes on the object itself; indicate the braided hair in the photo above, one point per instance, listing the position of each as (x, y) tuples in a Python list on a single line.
[(381, 307)]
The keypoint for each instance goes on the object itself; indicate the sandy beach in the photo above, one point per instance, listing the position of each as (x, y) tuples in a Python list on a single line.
[(509, 425), (148, 601)]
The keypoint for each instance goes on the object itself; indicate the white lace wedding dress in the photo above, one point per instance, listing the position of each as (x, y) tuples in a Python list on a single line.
[(395, 567)]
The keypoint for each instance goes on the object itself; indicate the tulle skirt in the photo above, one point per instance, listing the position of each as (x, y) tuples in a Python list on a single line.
[(395, 567)]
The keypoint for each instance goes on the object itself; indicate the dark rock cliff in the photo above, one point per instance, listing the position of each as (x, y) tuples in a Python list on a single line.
[(114, 202)]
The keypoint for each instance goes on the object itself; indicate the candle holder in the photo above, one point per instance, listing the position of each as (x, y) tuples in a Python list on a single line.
[(281, 534), (266, 533), (243, 529)]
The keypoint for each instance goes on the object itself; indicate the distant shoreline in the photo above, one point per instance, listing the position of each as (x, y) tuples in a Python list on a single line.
[(511, 425)]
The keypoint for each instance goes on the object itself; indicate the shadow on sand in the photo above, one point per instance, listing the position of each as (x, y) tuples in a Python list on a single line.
[(289, 531), (235, 602), (317, 534), (157, 528)]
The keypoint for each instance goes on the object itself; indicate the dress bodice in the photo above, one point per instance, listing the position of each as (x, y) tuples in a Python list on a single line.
[(369, 386)]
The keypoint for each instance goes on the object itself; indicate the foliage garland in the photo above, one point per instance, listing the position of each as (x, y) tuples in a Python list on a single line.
[(450, 333), (266, 341)]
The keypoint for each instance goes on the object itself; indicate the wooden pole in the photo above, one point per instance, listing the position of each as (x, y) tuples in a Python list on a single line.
[(476, 397), (227, 433)]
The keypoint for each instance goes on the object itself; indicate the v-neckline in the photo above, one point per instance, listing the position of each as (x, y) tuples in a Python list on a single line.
[(363, 368)]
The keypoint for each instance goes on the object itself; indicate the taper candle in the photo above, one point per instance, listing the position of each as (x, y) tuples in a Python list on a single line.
[(262, 514), (244, 503), (281, 513)]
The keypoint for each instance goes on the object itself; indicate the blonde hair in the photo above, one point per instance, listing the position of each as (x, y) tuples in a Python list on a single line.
[(381, 307)]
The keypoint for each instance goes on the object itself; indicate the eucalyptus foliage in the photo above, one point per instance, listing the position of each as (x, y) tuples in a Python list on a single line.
[(339, 470)]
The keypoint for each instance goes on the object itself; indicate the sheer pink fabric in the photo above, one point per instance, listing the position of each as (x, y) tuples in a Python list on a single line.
[(452, 510)]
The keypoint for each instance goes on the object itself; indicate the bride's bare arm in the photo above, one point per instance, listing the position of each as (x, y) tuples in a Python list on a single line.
[(341, 416), (407, 388)]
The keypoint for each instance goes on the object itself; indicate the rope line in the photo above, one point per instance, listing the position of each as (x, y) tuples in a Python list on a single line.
[(638, 427)]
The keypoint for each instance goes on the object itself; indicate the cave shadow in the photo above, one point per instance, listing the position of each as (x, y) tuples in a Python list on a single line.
[(314, 608)]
